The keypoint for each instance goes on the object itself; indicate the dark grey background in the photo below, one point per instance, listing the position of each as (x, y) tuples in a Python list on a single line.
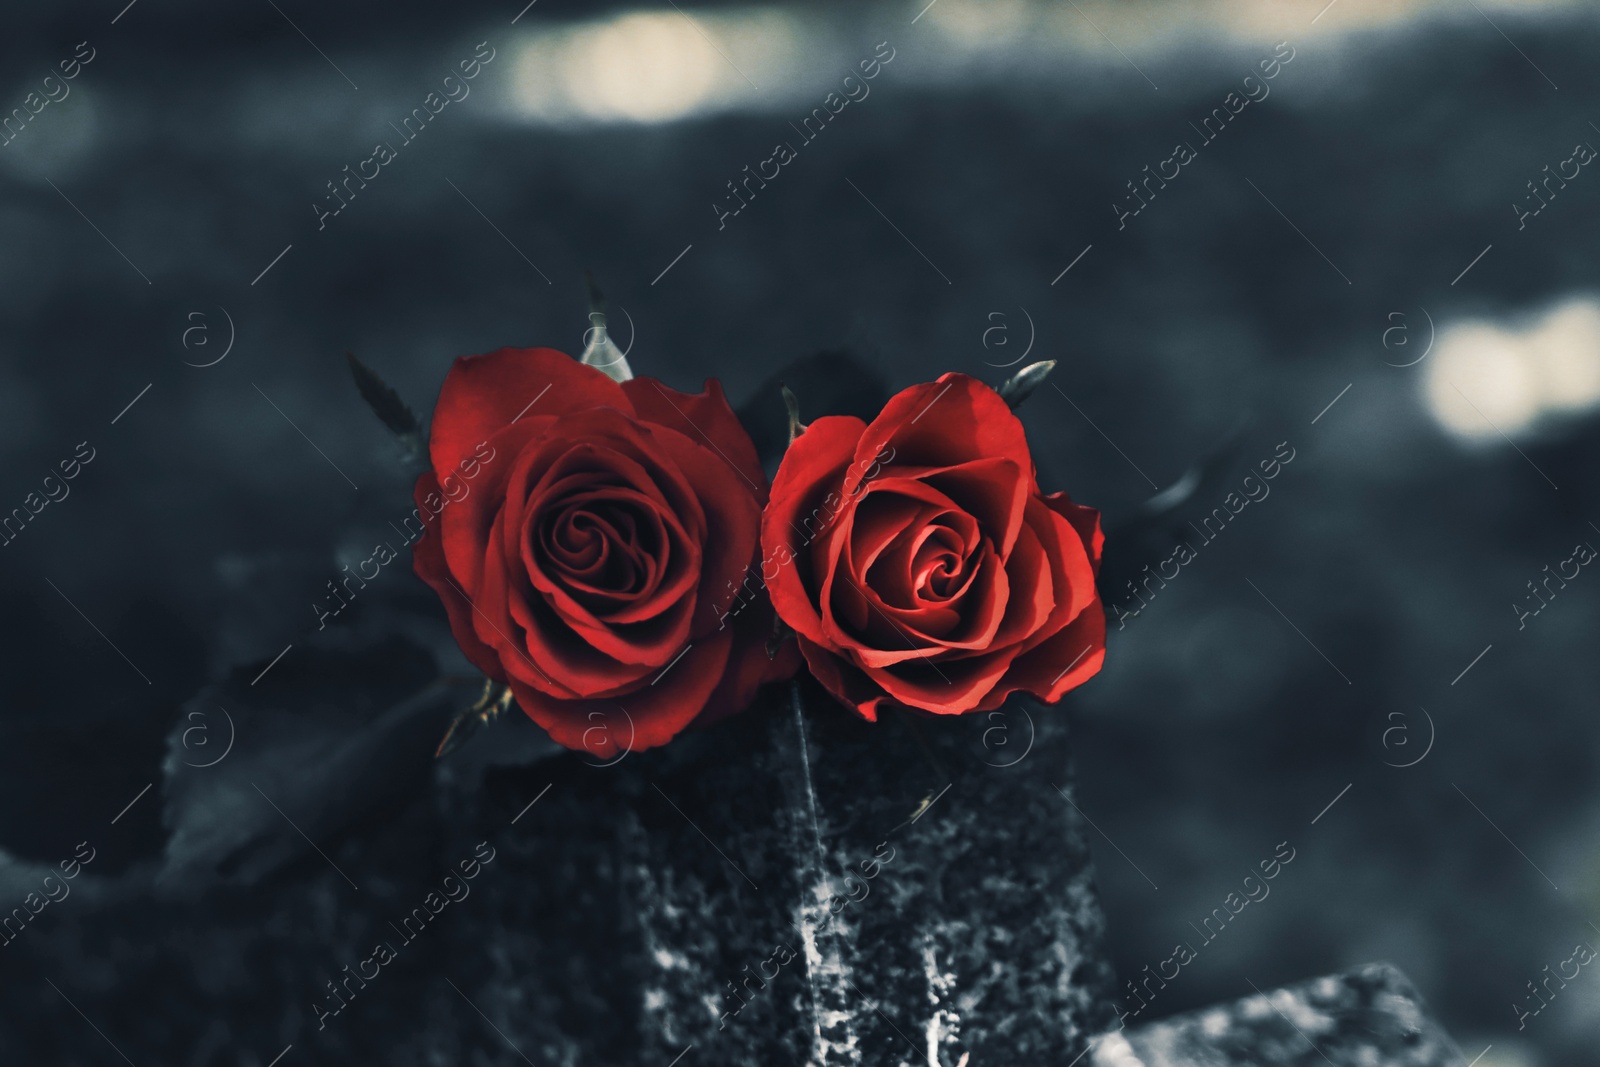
[(1395, 141)]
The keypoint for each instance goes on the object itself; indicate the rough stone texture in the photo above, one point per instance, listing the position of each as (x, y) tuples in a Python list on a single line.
[(611, 922), (683, 896), (1367, 1017)]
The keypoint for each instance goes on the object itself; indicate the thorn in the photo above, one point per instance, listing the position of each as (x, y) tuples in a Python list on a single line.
[(485, 710)]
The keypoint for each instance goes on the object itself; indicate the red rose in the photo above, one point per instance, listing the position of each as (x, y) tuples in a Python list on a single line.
[(588, 542), (921, 566)]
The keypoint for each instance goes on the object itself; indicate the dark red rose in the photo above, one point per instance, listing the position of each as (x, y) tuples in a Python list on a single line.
[(921, 566), (587, 538)]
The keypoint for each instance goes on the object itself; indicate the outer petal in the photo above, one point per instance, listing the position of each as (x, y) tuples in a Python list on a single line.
[(465, 522), (798, 513), (1062, 662), (428, 561), (484, 394), (704, 417), (943, 423), (1085, 520), (655, 713), (847, 683), (1071, 569), (944, 687)]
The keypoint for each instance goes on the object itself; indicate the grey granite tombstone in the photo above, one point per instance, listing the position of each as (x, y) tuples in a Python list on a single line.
[(1370, 1016), (793, 886)]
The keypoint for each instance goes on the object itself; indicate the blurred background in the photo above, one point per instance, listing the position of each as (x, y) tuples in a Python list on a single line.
[(1377, 257)]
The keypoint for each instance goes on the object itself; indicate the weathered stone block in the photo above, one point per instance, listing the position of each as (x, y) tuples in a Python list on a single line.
[(1366, 1017), (795, 886)]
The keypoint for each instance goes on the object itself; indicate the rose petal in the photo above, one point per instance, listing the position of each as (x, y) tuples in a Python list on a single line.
[(428, 561), (992, 490), (609, 448), (1085, 520), (929, 570), (482, 395), (470, 510), (800, 519), (1031, 613), (671, 568), (983, 611), (847, 683), (890, 506), (1071, 572), (943, 687), (534, 645), (940, 424), (649, 642), (732, 523), (883, 511), (1062, 662), (653, 714), (704, 417)]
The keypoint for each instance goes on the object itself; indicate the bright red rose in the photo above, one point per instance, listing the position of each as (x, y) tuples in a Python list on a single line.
[(921, 566), (587, 538)]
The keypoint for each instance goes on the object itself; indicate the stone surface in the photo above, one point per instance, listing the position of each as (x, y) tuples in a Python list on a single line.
[(327, 888), (1367, 1017), (794, 886)]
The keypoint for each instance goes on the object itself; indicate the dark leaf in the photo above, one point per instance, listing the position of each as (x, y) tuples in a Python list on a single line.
[(1021, 385), (334, 737), (386, 404)]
